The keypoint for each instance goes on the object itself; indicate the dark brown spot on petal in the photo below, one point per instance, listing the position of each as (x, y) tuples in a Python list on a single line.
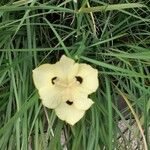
[(79, 79), (69, 102), (53, 80)]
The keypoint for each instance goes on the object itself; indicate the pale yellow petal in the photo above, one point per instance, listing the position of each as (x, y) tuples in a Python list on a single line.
[(73, 72), (81, 101), (42, 75), (65, 66), (89, 77), (50, 96), (69, 113)]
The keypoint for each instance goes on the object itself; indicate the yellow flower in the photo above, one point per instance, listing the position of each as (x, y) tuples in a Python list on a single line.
[(64, 87)]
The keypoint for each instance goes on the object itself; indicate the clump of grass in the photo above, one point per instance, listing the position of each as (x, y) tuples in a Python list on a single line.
[(115, 41)]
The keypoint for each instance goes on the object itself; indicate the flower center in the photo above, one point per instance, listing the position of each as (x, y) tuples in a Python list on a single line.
[(69, 102)]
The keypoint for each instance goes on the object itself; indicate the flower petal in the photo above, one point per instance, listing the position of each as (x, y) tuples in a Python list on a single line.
[(73, 72), (50, 96), (69, 113), (81, 101), (89, 77), (65, 66), (43, 75)]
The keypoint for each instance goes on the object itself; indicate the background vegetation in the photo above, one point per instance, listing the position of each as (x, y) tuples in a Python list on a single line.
[(114, 40)]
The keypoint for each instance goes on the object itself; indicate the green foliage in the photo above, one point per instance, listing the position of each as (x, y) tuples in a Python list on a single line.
[(114, 39)]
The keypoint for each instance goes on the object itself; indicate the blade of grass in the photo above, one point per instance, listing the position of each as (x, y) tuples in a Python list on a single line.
[(110, 7), (110, 120)]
